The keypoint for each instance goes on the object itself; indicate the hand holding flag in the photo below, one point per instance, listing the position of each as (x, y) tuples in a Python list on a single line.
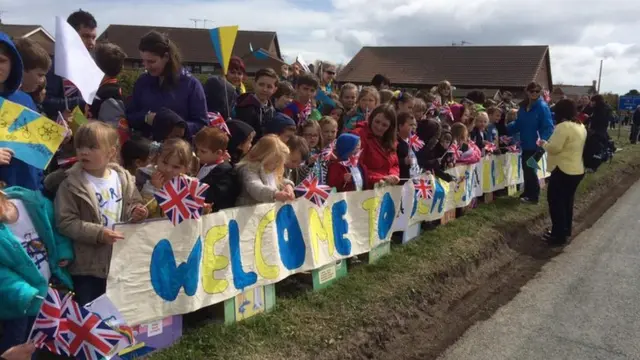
[(182, 198), (415, 143), (311, 190)]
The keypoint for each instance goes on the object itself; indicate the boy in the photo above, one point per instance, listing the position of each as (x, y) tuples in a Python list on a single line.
[(168, 125), (298, 154), (283, 95), (281, 125), (211, 144), (495, 115), (14, 172), (36, 62), (110, 59), (255, 108), (300, 108)]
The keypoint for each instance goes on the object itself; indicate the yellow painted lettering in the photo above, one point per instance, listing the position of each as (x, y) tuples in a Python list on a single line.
[(321, 230), (212, 262), (265, 270), (371, 206)]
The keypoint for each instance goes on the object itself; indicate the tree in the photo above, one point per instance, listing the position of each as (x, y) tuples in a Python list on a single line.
[(611, 99), (632, 92)]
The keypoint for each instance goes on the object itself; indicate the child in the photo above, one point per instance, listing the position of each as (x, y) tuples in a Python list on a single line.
[(135, 154), (329, 127), (348, 96), (300, 108), (211, 144), (408, 161), (444, 93), (386, 96), (295, 168), (15, 172), (334, 110), (442, 151), (316, 165), (342, 174), (434, 151), (110, 59), (404, 102), (32, 255), (368, 99), (282, 126), (38, 96), (236, 73), (255, 108), (96, 195), (261, 173), (283, 95), (36, 62), (465, 151), (241, 139), (461, 113), (378, 141), (419, 109), (495, 115), (479, 133)]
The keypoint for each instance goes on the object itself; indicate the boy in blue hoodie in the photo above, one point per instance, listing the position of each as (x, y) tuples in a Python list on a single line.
[(14, 172)]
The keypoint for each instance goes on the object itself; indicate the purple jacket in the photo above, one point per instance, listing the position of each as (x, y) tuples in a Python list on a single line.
[(186, 98)]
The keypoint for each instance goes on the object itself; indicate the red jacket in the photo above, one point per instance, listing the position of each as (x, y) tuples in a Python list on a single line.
[(335, 177), (378, 161)]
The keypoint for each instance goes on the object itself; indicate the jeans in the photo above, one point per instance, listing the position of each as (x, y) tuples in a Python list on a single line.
[(88, 288), (531, 181), (560, 196), (15, 332)]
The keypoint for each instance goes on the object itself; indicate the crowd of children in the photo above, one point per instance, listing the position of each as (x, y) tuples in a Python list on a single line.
[(350, 138)]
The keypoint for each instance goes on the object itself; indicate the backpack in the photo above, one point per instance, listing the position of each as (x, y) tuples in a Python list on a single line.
[(598, 148)]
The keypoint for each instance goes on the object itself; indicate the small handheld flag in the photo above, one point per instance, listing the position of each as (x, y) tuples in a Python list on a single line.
[(490, 147), (423, 188), (312, 191), (415, 142), (216, 120), (182, 198)]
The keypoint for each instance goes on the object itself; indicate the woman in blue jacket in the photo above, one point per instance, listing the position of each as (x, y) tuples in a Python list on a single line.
[(165, 84), (534, 122), (32, 254)]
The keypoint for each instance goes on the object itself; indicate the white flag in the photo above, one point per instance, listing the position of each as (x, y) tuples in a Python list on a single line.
[(302, 63), (73, 61)]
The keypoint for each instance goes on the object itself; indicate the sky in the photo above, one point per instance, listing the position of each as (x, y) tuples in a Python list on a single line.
[(580, 33)]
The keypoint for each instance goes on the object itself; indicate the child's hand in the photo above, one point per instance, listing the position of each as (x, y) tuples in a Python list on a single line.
[(347, 178), (6, 155), (207, 208), (19, 352), (312, 160), (283, 196), (541, 142), (139, 213), (63, 263), (226, 156), (407, 160), (391, 179), (111, 236), (158, 180), (289, 190)]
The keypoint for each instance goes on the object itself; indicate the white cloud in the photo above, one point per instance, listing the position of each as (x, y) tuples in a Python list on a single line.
[(580, 32)]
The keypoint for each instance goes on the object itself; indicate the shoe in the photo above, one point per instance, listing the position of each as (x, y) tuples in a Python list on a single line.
[(554, 241), (526, 200)]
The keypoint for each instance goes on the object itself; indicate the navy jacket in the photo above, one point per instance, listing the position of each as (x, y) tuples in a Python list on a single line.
[(54, 101)]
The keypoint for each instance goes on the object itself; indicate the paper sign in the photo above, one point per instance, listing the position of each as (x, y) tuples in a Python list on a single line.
[(73, 61), (223, 39), (33, 138), (154, 328), (77, 119)]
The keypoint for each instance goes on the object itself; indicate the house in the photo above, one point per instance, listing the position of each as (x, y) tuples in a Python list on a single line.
[(508, 68), (574, 92), (196, 48), (33, 32)]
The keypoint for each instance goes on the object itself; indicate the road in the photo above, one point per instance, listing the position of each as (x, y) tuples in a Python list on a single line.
[(584, 304)]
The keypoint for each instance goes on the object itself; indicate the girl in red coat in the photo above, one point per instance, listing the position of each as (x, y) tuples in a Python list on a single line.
[(346, 173), (378, 142)]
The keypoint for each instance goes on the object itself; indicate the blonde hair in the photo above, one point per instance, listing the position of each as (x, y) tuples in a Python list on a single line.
[(96, 134), (512, 115), (327, 120), (443, 85), (267, 148), (369, 90), (386, 96), (419, 105), (459, 133), (179, 148), (347, 87)]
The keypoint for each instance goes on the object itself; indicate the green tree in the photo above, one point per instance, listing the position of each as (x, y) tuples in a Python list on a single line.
[(632, 92)]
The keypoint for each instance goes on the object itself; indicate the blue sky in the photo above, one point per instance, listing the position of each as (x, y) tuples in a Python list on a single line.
[(580, 32)]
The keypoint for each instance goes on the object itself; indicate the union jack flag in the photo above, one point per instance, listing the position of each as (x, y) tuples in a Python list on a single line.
[(181, 198), (415, 142), (312, 191), (49, 320), (490, 147), (85, 335), (423, 188), (446, 110), (216, 120), (513, 148), (327, 152), (352, 161), (69, 88)]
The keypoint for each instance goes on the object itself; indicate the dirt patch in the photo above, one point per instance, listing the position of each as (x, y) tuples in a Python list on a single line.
[(450, 302)]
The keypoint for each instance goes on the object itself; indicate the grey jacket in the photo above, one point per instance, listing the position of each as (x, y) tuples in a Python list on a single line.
[(255, 188)]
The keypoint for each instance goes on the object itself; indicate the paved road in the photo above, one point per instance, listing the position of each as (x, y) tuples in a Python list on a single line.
[(584, 304)]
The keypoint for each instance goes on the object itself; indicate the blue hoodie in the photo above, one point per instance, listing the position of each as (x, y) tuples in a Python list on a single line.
[(533, 124), (186, 98), (18, 173)]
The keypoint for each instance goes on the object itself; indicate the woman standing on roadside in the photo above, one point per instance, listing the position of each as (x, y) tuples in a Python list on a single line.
[(564, 150)]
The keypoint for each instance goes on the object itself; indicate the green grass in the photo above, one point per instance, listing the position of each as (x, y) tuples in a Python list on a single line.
[(305, 325)]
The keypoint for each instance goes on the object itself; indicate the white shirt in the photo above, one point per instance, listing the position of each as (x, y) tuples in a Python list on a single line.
[(24, 230), (205, 170), (109, 195), (357, 177)]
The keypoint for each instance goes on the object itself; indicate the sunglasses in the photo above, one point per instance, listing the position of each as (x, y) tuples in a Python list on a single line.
[(330, 72)]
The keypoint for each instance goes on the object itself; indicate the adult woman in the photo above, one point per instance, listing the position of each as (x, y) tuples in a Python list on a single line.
[(534, 122), (165, 84), (236, 73), (326, 74), (564, 151), (601, 116)]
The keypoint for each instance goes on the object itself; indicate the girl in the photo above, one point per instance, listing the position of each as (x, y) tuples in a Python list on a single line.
[(408, 161), (329, 127), (31, 252), (444, 93), (461, 113), (404, 103), (135, 154), (326, 74), (334, 110), (464, 151), (442, 151), (261, 173), (419, 109), (240, 141), (386, 96), (368, 99), (96, 195), (316, 165), (479, 133), (433, 155), (378, 141), (346, 173), (348, 96)]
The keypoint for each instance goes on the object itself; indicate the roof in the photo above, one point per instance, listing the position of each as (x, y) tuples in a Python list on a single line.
[(575, 89), (253, 63), (194, 44), (463, 66), (21, 31)]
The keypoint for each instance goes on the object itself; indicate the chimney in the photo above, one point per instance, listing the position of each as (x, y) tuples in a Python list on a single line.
[(594, 84)]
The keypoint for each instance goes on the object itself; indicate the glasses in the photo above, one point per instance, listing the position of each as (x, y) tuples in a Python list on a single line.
[(311, 135)]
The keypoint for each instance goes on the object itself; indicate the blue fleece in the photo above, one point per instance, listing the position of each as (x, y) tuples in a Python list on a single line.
[(530, 124), (20, 280), (18, 173)]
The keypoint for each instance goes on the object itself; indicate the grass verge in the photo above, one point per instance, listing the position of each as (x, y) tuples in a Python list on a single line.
[(310, 325)]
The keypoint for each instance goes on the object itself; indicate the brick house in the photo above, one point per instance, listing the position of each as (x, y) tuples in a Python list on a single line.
[(33, 32)]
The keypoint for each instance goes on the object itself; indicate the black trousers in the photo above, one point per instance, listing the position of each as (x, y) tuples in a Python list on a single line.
[(633, 137), (561, 193), (531, 181)]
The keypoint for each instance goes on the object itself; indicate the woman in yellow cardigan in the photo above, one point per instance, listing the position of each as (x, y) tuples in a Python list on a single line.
[(564, 150)]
